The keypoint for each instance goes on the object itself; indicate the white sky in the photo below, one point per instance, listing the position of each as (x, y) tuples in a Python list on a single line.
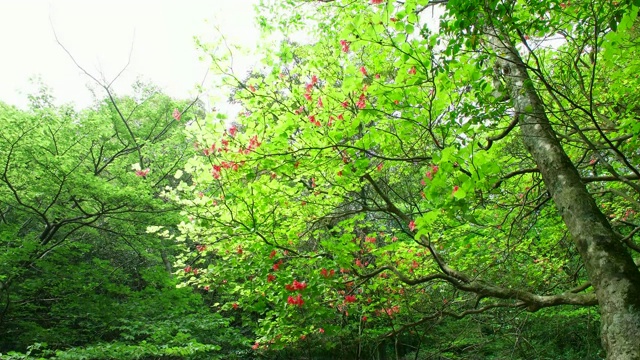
[(100, 34)]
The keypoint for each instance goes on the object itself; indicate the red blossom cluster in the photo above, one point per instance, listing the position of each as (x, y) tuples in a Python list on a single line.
[(142, 173), (327, 274), (431, 173), (276, 266), (313, 120), (295, 300), (296, 286), (389, 311), (345, 45), (350, 299), (361, 104), (176, 114), (412, 225)]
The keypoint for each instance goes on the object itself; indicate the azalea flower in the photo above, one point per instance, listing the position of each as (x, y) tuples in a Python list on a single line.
[(176, 114), (142, 173), (345, 45), (412, 225)]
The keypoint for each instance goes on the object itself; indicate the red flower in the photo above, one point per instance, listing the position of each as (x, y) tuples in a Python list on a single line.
[(412, 225), (176, 114), (364, 319), (308, 96), (276, 266), (296, 285), (142, 173), (272, 254), (295, 300), (206, 288), (361, 102), (379, 167), (314, 79), (341, 117), (455, 189), (187, 269), (235, 305), (350, 298), (233, 130), (377, 2), (256, 346), (320, 104), (412, 71), (321, 331), (393, 19), (270, 278), (345, 45), (252, 88), (363, 70), (239, 250)]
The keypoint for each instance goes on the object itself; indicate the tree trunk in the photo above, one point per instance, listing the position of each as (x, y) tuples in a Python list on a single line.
[(611, 269)]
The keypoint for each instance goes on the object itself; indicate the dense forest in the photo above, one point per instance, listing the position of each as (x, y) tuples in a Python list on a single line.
[(443, 179)]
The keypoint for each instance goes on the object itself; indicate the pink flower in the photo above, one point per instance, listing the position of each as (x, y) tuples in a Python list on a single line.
[(206, 288), (256, 346), (412, 71), (361, 104), (412, 225), (455, 189), (142, 173), (176, 114), (345, 45), (320, 104), (308, 96), (363, 70), (377, 2), (314, 80), (321, 331), (379, 167), (345, 104), (233, 130), (252, 88)]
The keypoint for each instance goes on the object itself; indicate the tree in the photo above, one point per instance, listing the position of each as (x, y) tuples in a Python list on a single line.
[(443, 160), (78, 192)]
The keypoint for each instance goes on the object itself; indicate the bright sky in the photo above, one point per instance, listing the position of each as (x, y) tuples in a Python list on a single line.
[(100, 34)]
